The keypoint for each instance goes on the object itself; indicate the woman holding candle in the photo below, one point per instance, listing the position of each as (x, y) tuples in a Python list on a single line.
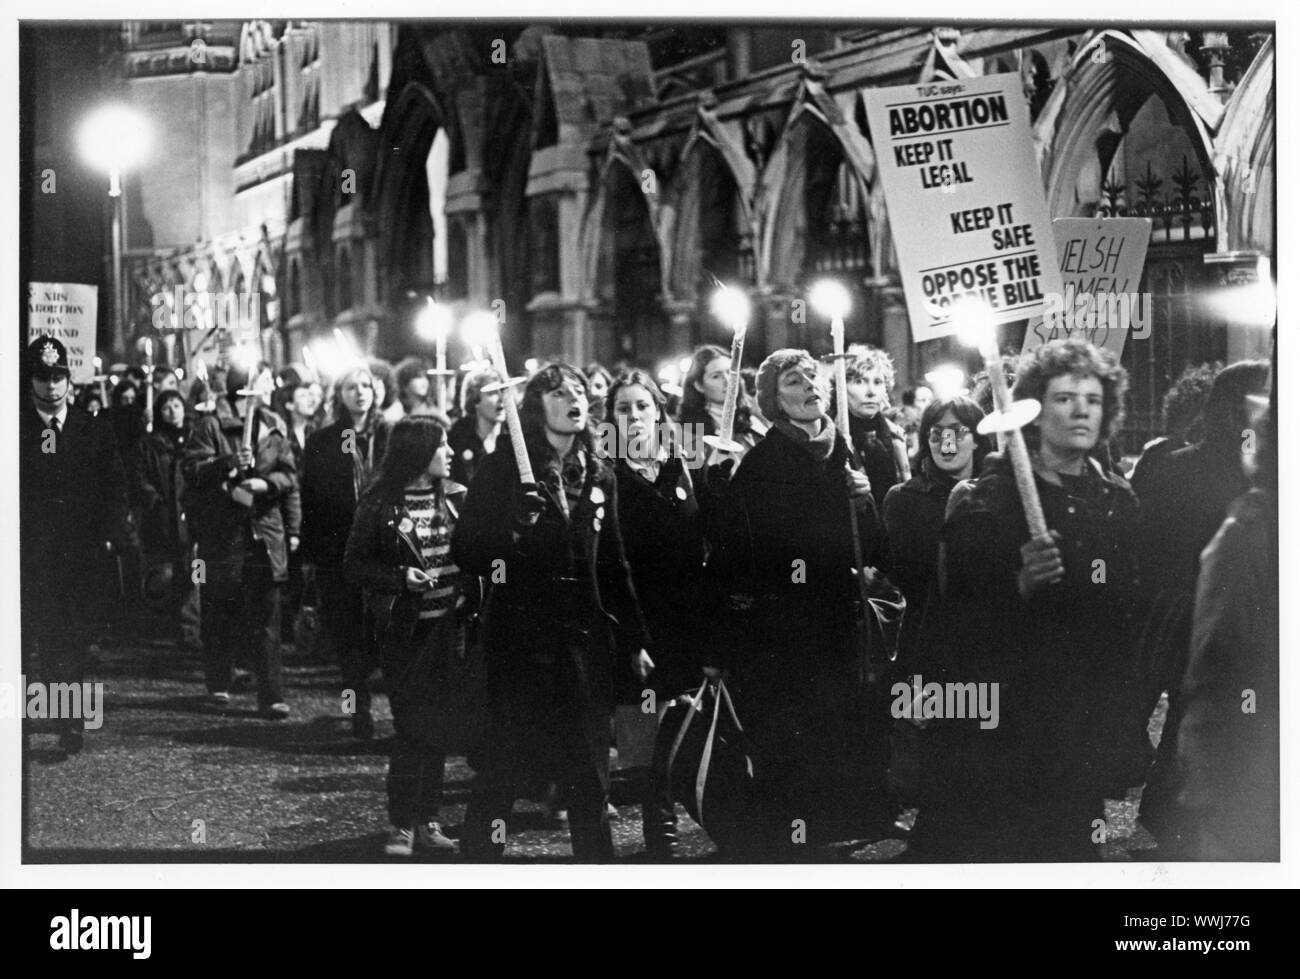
[(1050, 620), (879, 443), (913, 514), (789, 626), (159, 484), (704, 398), (560, 604), (663, 534), (913, 511)]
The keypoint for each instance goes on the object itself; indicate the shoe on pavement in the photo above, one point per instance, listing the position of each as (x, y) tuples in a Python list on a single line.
[(400, 842), (219, 700), (429, 836), (277, 711)]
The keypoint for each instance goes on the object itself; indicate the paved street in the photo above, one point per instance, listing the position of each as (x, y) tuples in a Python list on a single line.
[(301, 790)]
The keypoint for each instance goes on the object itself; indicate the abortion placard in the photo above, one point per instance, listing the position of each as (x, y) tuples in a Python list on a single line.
[(965, 199), (1101, 264), (66, 311)]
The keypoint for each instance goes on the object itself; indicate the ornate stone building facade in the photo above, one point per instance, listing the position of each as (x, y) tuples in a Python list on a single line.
[(594, 182)]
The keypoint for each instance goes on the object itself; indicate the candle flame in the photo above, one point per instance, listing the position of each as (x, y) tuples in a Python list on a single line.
[(830, 298), (434, 322), (974, 325), (731, 306)]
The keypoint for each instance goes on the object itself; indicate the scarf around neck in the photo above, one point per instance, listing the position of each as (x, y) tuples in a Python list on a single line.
[(819, 446)]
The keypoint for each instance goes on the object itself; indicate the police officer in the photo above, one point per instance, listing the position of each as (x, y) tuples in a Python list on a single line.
[(244, 509), (73, 513)]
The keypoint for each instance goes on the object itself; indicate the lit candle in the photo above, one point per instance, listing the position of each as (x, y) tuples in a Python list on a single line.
[(732, 307), (831, 299), (1008, 417), (440, 363), (434, 324), (493, 336), (148, 386)]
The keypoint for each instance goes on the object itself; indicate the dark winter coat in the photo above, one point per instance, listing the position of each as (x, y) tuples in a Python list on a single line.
[(225, 530), (298, 448), (159, 486), (72, 501), (329, 498), (1185, 498), (560, 596), (788, 626), (663, 536), (913, 517), (467, 450), (129, 428), (1228, 757), (378, 553), (1065, 659), (881, 446)]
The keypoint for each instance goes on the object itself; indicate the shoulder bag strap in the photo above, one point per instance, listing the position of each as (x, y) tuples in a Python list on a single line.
[(681, 734)]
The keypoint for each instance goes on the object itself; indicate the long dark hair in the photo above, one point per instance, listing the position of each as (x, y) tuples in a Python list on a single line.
[(412, 443), (532, 411), (694, 407), (968, 413), (161, 399), (1226, 412)]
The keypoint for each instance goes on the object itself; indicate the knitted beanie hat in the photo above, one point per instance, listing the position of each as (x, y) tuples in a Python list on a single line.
[(770, 371)]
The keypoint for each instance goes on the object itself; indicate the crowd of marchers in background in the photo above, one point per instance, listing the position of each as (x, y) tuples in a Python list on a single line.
[(423, 539)]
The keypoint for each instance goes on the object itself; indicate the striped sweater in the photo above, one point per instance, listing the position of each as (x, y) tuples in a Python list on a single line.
[(433, 528)]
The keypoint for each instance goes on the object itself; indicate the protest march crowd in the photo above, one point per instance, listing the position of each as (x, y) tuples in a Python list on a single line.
[(813, 633)]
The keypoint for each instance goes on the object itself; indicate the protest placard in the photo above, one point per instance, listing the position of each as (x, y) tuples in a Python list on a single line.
[(66, 311), (1101, 265), (965, 198)]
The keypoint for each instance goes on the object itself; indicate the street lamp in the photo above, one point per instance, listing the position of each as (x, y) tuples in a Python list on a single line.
[(113, 139)]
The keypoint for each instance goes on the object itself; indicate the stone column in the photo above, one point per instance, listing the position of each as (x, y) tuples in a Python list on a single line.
[(465, 199), (561, 321)]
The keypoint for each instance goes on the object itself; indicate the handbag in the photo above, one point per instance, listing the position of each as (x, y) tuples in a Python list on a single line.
[(710, 768), (306, 622)]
